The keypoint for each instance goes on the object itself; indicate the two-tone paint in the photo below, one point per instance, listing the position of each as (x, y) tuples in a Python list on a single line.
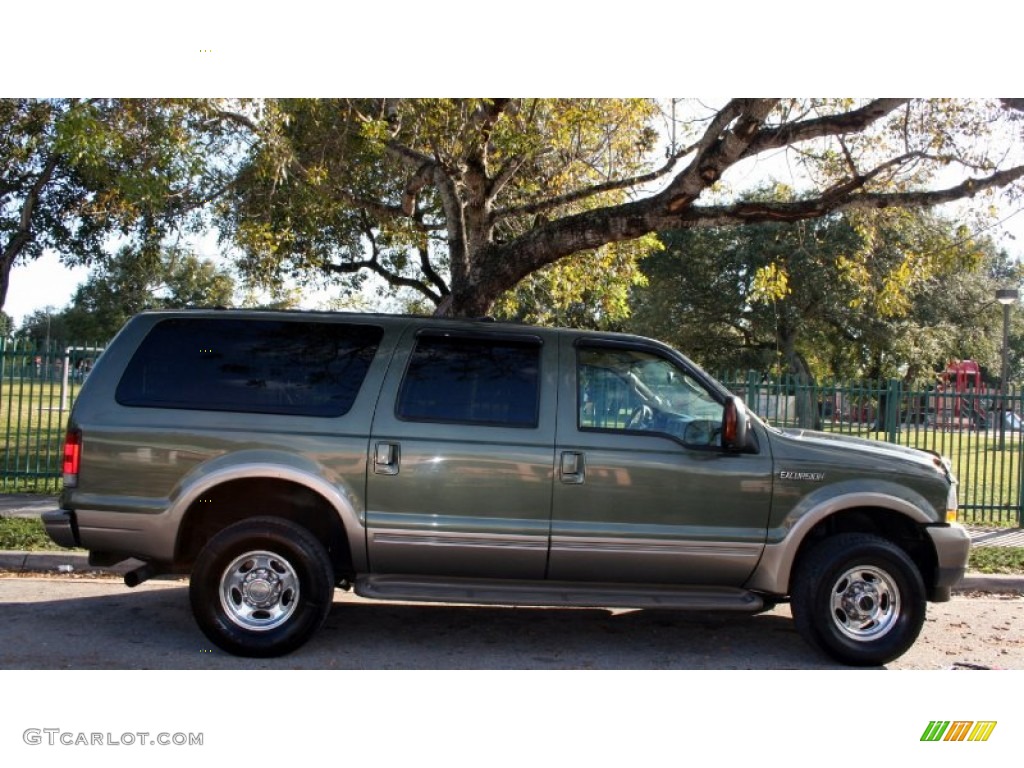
[(555, 502)]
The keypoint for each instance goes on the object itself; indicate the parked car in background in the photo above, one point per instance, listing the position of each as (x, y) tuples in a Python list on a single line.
[(277, 456)]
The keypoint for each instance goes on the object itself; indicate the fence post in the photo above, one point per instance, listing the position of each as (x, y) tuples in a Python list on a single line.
[(1017, 405), (754, 392), (893, 398)]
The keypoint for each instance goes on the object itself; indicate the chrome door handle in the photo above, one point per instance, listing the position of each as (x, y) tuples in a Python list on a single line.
[(573, 468), (386, 458)]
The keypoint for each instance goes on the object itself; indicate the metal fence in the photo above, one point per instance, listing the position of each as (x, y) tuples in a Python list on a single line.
[(981, 432), (38, 384), (977, 429)]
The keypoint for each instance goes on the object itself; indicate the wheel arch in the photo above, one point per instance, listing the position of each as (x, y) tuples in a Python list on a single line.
[(892, 518), (225, 497)]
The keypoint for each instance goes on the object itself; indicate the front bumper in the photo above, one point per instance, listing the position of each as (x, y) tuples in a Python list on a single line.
[(952, 548), (60, 526)]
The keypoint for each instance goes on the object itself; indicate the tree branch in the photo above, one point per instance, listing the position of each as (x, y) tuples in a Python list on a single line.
[(830, 125), (748, 213), (373, 264), (508, 263), (719, 148), (427, 269), (581, 194)]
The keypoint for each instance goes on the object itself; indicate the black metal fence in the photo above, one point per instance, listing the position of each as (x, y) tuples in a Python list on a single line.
[(38, 384)]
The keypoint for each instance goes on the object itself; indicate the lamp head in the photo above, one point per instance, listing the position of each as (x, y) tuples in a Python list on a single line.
[(1006, 295)]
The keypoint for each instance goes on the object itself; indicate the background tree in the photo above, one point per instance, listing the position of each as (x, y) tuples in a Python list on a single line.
[(129, 283), (838, 297), (44, 326), (133, 282), (74, 172), (462, 200)]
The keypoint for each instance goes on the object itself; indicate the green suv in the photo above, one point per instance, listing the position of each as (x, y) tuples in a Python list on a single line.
[(277, 456)]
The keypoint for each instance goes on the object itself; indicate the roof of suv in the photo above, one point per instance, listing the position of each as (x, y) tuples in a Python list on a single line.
[(479, 323)]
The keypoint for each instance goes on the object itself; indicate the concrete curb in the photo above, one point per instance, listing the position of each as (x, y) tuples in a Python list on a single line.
[(78, 562), (58, 562)]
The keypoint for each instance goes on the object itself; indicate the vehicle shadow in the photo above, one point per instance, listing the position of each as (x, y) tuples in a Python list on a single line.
[(154, 629)]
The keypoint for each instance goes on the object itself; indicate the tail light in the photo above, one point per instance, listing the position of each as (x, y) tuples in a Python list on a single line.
[(72, 457)]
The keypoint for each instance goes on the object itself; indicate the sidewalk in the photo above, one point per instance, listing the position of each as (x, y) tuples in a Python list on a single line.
[(26, 504)]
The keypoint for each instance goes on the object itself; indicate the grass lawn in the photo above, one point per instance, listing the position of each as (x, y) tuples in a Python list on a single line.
[(997, 560), (24, 533), (33, 417)]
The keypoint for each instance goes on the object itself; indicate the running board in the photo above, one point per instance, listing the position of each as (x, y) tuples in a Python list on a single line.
[(437, 589)]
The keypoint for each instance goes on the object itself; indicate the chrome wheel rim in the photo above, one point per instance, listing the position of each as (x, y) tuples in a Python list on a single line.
[(865, 603), (259, 590)]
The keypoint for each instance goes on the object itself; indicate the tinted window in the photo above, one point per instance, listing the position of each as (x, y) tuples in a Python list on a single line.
[(252, 366), (472, 380)]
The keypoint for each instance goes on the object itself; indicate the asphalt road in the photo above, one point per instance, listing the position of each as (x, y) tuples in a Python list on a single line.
[(71, 622)]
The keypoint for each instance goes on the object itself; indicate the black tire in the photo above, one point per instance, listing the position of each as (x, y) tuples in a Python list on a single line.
[(261, 587), (859, 598)]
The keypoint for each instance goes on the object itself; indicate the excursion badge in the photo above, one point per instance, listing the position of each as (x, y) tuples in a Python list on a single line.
[(811, 477)]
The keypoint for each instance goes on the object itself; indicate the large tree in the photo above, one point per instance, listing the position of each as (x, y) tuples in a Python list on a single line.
[(461, 200)]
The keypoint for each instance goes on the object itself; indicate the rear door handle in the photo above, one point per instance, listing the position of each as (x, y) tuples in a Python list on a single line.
[(386, 458), (573, 468)]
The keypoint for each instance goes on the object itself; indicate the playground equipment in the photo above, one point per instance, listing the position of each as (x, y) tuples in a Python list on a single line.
[(961, 402)]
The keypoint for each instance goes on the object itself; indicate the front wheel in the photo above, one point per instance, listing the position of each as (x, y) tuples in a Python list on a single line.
[(859, 598), (261, 587)]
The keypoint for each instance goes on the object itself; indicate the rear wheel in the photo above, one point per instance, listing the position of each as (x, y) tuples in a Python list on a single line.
[(859, 598), (261, 587)]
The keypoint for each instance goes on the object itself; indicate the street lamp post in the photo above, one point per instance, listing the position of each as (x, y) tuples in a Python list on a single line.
[(1006, 297)]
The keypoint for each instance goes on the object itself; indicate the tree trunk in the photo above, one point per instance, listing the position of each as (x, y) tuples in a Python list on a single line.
[(808, 414)]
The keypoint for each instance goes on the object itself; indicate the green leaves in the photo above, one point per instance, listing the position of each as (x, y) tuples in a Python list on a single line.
[(893, 294), (131, 282)]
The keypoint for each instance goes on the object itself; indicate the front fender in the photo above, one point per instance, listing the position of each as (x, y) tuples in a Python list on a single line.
[(773, 571)]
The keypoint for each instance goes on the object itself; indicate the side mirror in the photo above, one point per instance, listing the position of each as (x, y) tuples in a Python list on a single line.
[(734, 425)]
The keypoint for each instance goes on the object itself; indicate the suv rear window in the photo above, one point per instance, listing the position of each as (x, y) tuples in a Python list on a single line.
[(486, 381), (251, 366)]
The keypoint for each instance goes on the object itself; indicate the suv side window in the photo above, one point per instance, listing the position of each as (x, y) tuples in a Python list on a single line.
[(250, 366), (634, 390), (472, 380)]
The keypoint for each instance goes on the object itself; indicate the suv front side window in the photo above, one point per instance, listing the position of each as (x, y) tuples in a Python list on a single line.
[(633, 390)]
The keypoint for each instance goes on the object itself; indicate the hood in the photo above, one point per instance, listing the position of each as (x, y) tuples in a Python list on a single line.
[(866, 448)]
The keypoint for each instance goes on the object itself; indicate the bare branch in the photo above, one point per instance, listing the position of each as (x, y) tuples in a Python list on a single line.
[(408, 156), (542, 206), (747, 213), (428, 270), (373, 264), (545, 244), (831, 125)]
